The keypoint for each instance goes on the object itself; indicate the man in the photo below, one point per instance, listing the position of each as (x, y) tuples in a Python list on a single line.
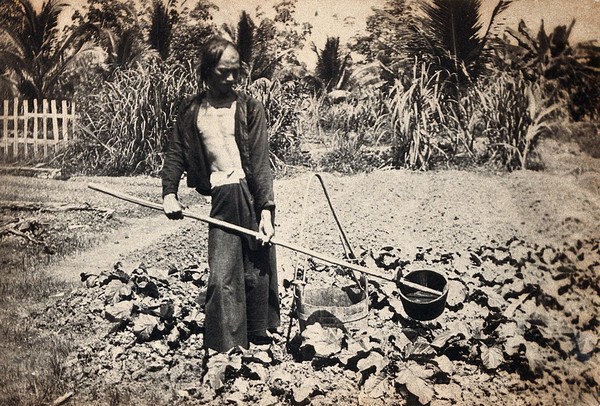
[(220, 140)]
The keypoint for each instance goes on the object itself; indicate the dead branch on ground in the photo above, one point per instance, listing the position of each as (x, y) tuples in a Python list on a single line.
[(53, 207)]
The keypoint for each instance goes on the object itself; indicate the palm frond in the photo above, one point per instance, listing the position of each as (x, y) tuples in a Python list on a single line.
[(330, 66), (12, 60), (500, 7), (543, 42), (55, 74), (245, 38), (161, 29), (456, 25), (11, 40), (450, 35), (8, 86)]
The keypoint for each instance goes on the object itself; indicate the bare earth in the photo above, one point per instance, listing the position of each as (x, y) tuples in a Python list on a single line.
[(417, 215)]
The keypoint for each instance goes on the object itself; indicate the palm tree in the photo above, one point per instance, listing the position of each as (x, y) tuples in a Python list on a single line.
[(121, 38), (161, 28), (332, 68), (34, 58), (449, 36), (258, 57)]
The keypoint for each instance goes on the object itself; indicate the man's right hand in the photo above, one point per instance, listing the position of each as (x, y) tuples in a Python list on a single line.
[(172, 207)]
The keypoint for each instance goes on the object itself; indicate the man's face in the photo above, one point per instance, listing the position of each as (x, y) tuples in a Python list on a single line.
[(226, 73)]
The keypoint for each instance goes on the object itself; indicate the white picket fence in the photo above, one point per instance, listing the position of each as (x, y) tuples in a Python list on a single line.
[(32, 129)]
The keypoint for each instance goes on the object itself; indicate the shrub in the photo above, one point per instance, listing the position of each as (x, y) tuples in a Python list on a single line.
[(362, 112), (508, 112), (569, 75), (346, 127), (349, 157)]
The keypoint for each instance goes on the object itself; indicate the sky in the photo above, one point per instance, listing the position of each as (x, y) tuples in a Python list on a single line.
[(554, 13), (340, 18), (345, 18)]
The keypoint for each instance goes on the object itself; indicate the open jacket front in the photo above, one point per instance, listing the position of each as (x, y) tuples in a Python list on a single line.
[(186, 152)]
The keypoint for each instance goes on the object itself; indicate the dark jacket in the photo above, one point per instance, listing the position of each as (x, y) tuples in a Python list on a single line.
[(186, 152)]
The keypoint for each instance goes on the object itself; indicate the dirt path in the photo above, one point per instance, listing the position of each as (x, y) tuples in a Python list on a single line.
[(119, 245)]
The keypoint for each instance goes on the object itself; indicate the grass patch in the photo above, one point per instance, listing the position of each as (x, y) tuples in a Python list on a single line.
[(32, 365), (31, 361), (32, 355)]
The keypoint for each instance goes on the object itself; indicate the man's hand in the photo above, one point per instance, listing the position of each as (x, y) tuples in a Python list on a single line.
[(172, 207), (265, 227)]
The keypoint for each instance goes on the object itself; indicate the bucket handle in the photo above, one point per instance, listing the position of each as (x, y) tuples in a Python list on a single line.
[(362, 281)]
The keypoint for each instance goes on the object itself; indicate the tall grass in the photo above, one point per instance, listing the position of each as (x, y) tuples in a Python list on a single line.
[(308, 116), (347, 128), (282, 101), (430, 128), (363, 113), (126, 121), (424, 122), (515, 114), (420, 118)]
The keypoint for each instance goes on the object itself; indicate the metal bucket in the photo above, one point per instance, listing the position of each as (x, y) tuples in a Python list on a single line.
[(421, 305), (345, 308)]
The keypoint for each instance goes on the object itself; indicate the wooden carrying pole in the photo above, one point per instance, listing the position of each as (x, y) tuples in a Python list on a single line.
[(274, 240)]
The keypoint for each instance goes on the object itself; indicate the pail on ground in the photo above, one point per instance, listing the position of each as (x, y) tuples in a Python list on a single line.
[(346, 307), (422, 305)]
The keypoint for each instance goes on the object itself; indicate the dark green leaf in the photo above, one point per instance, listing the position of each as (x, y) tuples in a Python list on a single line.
[(444, 364), (442, 339), (217, 367), (376, 386), (374, 361), (415, 384), (116, 291)]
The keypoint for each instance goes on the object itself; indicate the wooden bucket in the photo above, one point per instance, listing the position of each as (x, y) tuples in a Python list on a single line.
[(345, 308)]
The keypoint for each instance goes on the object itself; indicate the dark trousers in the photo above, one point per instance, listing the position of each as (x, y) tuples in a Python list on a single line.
[(242, 294)]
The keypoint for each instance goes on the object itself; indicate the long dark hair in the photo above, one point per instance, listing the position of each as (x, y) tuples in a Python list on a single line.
[(211, 55)]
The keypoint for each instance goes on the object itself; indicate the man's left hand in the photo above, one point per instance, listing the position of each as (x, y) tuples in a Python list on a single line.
[(265, 227)]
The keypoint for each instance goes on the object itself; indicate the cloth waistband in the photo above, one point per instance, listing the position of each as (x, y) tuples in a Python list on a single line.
[(220, 178)]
